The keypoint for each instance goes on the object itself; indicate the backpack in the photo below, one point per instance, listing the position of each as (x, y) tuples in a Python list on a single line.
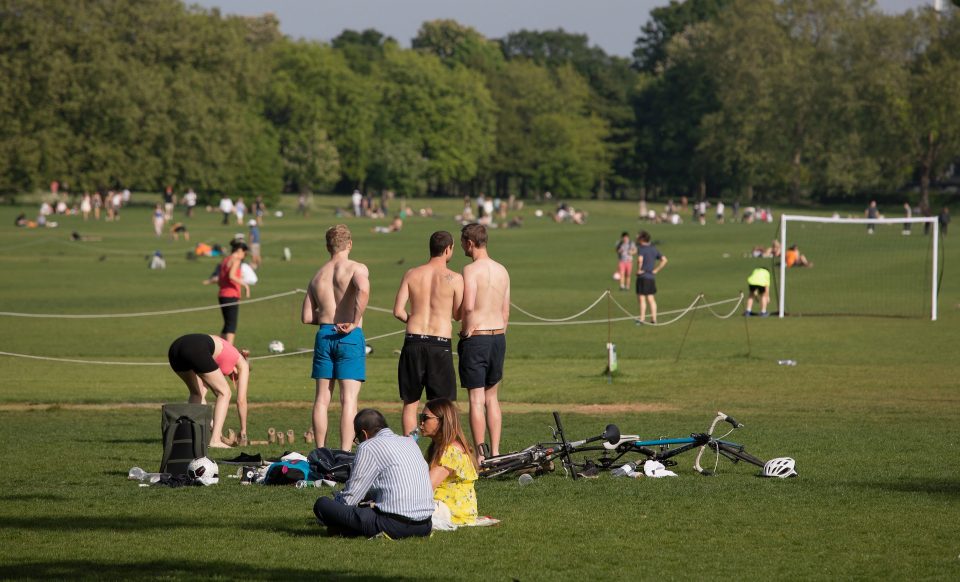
[(186, 432), (287, 473), (331, 464)]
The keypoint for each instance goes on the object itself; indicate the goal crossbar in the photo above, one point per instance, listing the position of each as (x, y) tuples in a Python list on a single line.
[(935, 239)]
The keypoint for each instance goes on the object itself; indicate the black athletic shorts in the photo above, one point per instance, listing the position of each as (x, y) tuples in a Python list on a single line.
[(646, 286), (481, 360), (758, 289), (231, 313), (192, 352), (426, 361)]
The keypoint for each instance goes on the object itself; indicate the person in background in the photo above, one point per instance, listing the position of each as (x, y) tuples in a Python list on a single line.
[(255, 258), (228, 278), (649, 263), (626, 250), (759, 283)]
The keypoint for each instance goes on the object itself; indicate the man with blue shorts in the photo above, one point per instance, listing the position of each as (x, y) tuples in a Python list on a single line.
[(336, 299)]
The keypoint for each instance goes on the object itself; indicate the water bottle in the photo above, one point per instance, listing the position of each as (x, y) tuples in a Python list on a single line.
[(415, 434), (137, 474), (628, 470), (301, 484), (525, 479), (787, 362)]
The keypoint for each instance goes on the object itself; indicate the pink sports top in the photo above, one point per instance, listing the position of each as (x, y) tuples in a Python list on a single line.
[(227, 360)]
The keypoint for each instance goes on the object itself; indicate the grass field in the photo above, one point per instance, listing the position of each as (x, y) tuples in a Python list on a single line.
[(870, 413)]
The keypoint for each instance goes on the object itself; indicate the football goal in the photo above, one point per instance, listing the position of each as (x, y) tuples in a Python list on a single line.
[(857, 266)]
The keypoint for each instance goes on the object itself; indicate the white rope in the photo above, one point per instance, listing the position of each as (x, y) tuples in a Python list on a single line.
[(145, 313), (69, 360), (591, 306), (83, 361), (680, 312), (736, 309)]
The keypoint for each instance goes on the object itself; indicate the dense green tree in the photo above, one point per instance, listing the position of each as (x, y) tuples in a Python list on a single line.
[(455, 43), (612, 81), (440, 120)]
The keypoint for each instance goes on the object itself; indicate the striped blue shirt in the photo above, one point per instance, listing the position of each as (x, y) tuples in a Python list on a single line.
[(390, 469)]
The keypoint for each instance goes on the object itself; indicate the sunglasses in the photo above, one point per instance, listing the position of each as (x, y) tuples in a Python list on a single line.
[(425, 417)]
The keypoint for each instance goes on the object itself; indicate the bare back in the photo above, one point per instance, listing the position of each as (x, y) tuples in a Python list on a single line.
[(435, 294), (334, 293), (486, 295)]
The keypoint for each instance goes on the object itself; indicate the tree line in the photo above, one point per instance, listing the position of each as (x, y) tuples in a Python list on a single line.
[(750, 99)]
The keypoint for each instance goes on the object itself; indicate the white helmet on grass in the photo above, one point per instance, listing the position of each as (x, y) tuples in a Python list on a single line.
[(204, 471), (781, 467)]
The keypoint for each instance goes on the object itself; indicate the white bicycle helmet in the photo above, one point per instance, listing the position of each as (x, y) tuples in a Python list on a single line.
[(781, 467)]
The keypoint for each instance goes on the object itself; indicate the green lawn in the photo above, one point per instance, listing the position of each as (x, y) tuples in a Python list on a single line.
[(867, 395)]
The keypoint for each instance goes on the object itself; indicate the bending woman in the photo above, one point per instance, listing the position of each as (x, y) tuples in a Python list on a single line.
[(204, 361), (453, 468)]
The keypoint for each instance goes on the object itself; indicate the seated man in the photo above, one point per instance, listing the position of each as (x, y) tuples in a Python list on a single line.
[(391, 471)]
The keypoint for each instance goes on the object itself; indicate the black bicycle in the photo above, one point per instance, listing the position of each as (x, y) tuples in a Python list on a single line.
[(615, 449), (539, 458)]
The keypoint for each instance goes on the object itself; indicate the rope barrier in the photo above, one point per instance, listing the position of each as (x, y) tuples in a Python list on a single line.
[(145, 313), (574, 316), (699, 302)]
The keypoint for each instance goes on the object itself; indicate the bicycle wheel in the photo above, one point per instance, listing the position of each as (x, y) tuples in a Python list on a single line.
[(530, 458)]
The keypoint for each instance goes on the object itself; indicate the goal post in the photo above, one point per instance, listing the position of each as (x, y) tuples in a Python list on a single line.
[(859, 266)]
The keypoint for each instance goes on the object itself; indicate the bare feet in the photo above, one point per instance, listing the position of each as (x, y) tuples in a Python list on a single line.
[(219, 445)]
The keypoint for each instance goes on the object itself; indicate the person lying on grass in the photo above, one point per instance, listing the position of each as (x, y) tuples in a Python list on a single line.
[(453, 468), (204, 361)]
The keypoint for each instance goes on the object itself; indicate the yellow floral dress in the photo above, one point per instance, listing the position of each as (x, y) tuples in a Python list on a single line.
[(457, 491)]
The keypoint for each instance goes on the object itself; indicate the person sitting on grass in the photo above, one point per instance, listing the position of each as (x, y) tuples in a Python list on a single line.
[(795, 259), (759, 282), (204, 361), (453, 468), (388, 493)]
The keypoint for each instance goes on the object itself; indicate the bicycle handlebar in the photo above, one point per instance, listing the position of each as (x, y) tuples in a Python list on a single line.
[(733, 422)]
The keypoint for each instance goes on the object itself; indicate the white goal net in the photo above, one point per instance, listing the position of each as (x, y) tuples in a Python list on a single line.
[(858, 266)]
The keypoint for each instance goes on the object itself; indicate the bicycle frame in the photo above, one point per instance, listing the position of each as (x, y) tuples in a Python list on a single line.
[(733, 451)]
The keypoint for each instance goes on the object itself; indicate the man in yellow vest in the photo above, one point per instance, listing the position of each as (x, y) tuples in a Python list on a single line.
[(759, 282)]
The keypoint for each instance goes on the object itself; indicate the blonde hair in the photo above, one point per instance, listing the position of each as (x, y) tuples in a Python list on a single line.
[(337, 238), (449, 432)]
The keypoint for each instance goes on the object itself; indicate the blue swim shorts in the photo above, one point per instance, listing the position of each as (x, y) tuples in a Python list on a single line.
[(339, 356)]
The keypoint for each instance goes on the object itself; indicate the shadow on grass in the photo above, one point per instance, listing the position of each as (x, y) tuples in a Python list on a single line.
[(172, 569), (928, 486), (83, 523), (32, 497)]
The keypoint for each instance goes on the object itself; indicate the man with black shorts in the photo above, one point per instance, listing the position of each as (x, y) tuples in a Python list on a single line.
[(426, 360), (483, 345), (649, 263)]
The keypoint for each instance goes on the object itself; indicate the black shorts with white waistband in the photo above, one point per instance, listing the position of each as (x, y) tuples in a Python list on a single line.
[(426, 361)]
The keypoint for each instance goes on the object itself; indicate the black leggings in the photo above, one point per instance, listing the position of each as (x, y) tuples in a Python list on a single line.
[(231, 313), (193, 353)]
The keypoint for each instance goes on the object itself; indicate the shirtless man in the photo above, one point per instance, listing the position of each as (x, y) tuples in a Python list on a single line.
[(483, 345), (336, 299), (435, 294)]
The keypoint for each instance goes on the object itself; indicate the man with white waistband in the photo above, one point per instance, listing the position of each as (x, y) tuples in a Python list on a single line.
[(483, 345), (426, 360), (336, 299)]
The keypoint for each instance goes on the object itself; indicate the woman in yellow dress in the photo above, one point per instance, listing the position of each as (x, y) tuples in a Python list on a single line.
[(453, 468)]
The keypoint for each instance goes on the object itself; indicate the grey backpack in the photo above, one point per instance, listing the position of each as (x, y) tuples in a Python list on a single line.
[(186, 432)]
